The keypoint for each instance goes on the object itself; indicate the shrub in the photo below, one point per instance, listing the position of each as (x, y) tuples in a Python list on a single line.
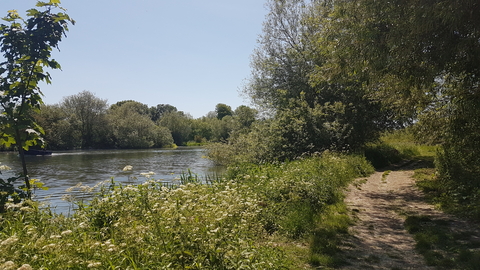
[(293, 193)]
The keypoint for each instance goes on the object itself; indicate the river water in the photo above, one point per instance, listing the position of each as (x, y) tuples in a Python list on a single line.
[(63, 170)]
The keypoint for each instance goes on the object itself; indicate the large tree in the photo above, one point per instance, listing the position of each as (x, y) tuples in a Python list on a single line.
[(312, 113), (59, 132), (86, 113), (27, 46), (133, 128), (179, 125), (422, 58)]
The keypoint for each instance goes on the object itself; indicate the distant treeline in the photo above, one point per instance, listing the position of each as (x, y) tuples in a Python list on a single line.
[(84, 121)]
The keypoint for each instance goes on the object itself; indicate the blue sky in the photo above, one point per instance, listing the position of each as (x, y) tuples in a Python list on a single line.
[(191, 54)]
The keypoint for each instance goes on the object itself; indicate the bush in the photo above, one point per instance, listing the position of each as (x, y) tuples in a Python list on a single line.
[(293, 193)]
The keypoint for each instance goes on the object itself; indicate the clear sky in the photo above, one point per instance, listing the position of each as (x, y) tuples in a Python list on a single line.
[(191, 54)]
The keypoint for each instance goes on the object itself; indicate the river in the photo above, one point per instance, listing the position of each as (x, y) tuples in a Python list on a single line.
[(63, 170)]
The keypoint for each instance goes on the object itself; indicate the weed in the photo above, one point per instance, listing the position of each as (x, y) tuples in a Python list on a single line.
[(385, 175)]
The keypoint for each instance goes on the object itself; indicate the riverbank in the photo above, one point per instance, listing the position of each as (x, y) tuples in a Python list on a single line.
[(250, 219)]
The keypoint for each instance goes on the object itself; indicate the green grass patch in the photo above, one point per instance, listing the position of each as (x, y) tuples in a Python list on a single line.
[(453, 198), (397, 146), (441, 246), (331, 227)]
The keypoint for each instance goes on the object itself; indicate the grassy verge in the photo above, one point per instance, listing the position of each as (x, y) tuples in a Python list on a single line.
[(397, 146), (456, 199), (441, 246), (258, 217)]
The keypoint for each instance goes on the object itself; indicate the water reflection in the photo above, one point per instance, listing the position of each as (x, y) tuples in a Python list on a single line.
[(62, 170)]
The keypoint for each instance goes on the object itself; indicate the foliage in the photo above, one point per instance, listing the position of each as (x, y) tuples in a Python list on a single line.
[(179, 124), (147, 226), (158, 111), (295, 192), (328, 234), (234, 222), (59, 131), (131, 129), (87, 115), (453, 198), (82, 121), (223, 110), (421, 60), (26, 46), (398, 145), (307, 113)]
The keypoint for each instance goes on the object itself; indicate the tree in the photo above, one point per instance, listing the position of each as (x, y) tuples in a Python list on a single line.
[(26, 47), (223, 110), (179, 125), (157, 112), (316, 114), (134, 105), (86, 113), (245, 115), (421, 58), (59, 133), (132, 129), (280, 63)]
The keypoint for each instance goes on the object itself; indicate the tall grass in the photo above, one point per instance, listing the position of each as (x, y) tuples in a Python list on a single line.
[(227, 224)]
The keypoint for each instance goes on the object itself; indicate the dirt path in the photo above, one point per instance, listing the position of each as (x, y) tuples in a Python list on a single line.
[(379, 205)]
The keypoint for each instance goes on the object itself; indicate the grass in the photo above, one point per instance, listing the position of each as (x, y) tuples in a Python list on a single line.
[(282, 216), (449, 197), (385, 175), (327, 237), (397, 146), (441, 246)]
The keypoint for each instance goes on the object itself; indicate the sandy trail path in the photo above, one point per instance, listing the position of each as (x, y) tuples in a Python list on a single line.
[(379, 206)]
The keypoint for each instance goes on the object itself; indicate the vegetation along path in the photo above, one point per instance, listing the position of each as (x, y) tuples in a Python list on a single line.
[(379, 206)]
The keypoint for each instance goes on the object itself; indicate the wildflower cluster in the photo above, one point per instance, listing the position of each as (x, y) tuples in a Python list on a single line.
[(148, 226), (226, 224)]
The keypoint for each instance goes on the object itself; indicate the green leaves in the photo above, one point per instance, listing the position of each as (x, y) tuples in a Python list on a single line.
[(32, 12), (26, 47), (51, 3)]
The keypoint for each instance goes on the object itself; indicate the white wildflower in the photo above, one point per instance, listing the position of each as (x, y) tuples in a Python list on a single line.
[(8, 265), (52, 245), (9, 241), (26, 209), (67, 232), (25, 267), (70, 189), (94, 264)]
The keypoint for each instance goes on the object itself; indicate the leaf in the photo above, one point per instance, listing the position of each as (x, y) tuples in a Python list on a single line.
[(54, 1), (42, 4), (32, 12)]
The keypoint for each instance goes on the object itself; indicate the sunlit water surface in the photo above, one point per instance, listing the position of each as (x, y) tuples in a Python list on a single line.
[(63, 170)]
